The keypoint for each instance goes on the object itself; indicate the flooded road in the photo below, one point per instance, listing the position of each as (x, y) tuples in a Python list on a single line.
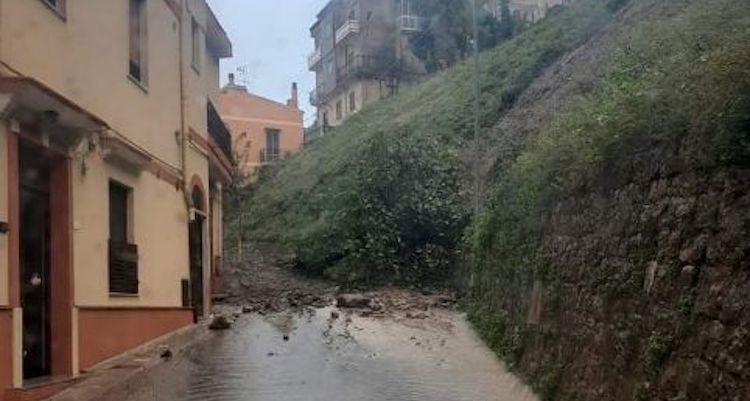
[(327, 355)]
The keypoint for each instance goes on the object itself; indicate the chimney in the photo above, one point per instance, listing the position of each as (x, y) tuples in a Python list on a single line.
[(294, 100)]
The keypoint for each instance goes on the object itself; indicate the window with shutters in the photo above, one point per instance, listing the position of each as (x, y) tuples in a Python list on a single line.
[(123, 254), (137, 42)]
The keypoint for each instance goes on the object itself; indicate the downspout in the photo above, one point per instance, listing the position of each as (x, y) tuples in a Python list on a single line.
[(183, 109)]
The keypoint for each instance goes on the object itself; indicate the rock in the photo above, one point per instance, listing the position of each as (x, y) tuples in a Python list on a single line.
[(686, 275), (694, 252), (353, 301), (220, 323), (650, 276), (248, 309), (286, 337), (334, 315), (166, 354)]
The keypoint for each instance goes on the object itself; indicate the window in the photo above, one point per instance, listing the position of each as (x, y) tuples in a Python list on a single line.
[(352, 101), (123, 255), (273, 151), (339, 111), (196, 46), (137, 38), (58, 6)]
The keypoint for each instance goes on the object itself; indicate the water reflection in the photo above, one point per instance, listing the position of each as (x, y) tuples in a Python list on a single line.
[(311, 356)]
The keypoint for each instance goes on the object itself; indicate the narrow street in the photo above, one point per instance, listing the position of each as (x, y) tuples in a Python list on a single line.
[(402, 346)]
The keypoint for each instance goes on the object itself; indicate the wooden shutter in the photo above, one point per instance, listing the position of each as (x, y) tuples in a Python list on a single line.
[(123, 268)]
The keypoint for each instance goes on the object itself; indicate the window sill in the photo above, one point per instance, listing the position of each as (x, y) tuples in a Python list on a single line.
[(138, 83), (122, 295)]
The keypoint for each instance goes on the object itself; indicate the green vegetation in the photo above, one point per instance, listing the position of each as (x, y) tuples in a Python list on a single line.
[(659, 348), (668, 83), (381, 198), (384, 198)]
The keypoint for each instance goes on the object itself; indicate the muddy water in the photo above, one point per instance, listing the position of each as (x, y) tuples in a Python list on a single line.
[(310, 356)]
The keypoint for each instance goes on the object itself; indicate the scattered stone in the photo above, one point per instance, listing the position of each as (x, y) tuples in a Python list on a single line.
[(167, 354), (334, 314), (286, 337), (353, 301), (271, 354), (248, 309), (220, 323)]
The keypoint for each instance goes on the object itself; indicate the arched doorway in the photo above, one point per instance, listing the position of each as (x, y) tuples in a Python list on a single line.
[(195, 229)]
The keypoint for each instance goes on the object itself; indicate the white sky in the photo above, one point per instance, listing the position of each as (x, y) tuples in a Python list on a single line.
[(271, 38)]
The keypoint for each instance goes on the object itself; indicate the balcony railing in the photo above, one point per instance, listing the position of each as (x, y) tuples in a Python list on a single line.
[(314, 58), (270, 155), (219, 132), (368, 67), (314, 98), (411, 23), (350, 27)]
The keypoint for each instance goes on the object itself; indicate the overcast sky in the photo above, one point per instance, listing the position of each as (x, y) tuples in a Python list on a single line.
[(271, 39)]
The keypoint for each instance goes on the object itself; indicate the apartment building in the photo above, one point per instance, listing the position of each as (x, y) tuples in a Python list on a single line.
[(362, 54), (263, 131), (113, 162), (526, 10)]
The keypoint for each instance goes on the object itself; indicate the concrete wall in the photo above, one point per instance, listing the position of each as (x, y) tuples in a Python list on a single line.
[(159, 229), (108, 332), (89, 52), (147, 115), (365, 93)]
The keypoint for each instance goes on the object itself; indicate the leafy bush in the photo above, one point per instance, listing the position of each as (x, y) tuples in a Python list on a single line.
[(395, 217)]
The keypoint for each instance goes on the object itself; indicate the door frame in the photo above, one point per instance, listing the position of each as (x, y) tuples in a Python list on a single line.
[(61, 253), (198, 215)]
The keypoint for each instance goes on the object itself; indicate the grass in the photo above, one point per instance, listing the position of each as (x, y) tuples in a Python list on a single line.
[(677, 83)]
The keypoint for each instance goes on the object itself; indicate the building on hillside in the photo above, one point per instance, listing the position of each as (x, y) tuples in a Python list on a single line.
[(113, 163), (263, 131), (526, 10), (362, 54)]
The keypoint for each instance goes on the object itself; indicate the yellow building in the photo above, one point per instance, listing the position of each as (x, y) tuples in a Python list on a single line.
[(113, 160), (263, 131)]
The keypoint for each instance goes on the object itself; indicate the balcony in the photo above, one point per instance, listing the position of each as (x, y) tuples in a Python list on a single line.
[(368, 67), (411, 23), (218, 132), (350, 27), (314, 58)]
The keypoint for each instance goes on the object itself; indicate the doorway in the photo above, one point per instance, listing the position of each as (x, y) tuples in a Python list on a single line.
[(35, 250), (196, 254)]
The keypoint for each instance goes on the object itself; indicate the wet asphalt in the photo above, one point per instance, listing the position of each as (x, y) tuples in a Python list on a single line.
[(310, 355)]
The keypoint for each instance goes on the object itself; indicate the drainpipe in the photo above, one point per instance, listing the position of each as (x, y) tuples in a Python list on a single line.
[(183, 108)]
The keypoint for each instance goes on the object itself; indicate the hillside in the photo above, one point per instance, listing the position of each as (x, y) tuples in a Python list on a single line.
[(383, 197), (611, 258)]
